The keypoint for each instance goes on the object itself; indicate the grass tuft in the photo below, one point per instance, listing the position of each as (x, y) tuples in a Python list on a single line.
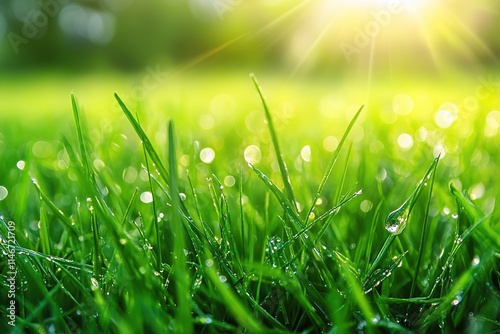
[(109, 238)]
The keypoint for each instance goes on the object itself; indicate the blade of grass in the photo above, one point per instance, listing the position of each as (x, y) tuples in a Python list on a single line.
[(396, 220), (274, 137), (83, 152), (236, 308), (153, 203), (475, 215), (333, 160), (146, 142), (55, 210), (183, 310), (423, 236)]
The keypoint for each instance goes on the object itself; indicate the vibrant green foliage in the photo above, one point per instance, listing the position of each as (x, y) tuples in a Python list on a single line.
[(187, 243)]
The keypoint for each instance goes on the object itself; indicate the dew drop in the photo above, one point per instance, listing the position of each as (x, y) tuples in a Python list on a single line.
[(396, 220), (457, 300)]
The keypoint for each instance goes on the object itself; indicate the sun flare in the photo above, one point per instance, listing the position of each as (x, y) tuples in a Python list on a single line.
[(391, 34)]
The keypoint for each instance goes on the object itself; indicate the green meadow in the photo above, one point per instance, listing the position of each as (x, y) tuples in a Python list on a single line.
[(218, 211), (267, 167)]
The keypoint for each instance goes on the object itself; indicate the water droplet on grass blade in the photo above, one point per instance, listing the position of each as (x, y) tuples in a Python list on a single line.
[(457, 300), (397, 219), (95, 283)]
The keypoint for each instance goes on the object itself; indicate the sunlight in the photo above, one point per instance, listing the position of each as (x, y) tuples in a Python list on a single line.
[(388, 34)]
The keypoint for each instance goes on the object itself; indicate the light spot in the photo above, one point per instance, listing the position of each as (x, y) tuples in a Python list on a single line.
[(143, 174), (402, 104), (366, 205), (492, 123), (446, 115), (21, 164), (477, 191), (42, 149), (405, 141), (229, 181), (376, 146), (330, 143), (252, 154), (207, 155), (3, 193), (421, 134), (98, 164), (185, 160), (254, 121), (129, 174), (146, 197), (357, 133), (382, 175), (95, 26), (207, 122), (439, 149), (305, 153)]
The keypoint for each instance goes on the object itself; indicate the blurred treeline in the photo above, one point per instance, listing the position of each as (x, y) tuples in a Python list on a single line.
[(132, 34)]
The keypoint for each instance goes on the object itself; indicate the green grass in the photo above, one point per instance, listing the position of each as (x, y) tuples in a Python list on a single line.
[(123, 228)]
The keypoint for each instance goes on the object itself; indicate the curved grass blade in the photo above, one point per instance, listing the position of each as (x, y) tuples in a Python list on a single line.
[(55, 210), (422, 238), (274, 137), (475, 215), (333, 160), (379, 275), (239, 311), (146, 142), (81, 142), (396, 220), (153, 202)]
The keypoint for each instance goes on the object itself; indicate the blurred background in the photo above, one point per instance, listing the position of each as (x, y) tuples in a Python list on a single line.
[(317, 58), (326, 37)]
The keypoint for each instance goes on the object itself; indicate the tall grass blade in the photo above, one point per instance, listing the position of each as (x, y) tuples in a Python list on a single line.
[(182, 285), (155, 213), (333, 160), (423, 235), (396, 221), (274, 137), (146, 142)]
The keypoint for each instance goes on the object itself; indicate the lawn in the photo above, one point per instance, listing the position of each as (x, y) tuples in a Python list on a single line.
[(325, 206)]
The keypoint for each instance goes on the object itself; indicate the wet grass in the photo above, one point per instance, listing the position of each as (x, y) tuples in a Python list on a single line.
[(139, 228)]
